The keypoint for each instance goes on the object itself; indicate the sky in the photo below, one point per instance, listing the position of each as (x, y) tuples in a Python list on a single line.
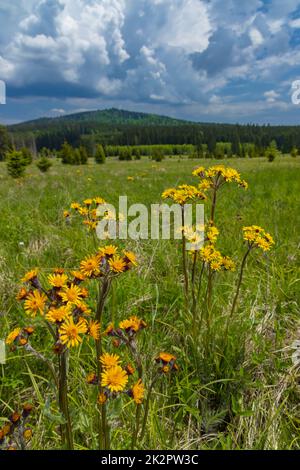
[(202, 60)]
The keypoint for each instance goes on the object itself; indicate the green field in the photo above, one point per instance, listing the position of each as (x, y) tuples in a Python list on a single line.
[(240, 395)]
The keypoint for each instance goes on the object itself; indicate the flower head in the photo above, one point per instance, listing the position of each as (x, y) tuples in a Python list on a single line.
[(117, 264), (58, 315), (258, 237), (132, 324), (137, 392), (130, 257), (57, 280), (94, 329), (71, 294), (13, 335), (70, 332), (30, 276), (22, 294), (109, 360), (114, 378), (35, 302), (90, 266)]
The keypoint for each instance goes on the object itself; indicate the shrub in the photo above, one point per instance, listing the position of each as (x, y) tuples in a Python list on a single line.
[(272, 151), (100, 156), (294, 152), (67, 154), (15, 164), (44, 164), (136, 153), (27, 155), (157, 154), (83, 155)]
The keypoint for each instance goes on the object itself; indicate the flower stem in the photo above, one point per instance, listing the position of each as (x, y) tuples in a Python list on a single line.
[(234, 303), (184, 260), (103, 432), (63, 399)]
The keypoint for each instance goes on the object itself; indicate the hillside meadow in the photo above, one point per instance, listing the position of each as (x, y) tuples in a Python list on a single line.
[(235, 389)]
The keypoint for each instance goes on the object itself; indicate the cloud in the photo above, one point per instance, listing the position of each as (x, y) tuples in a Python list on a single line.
[(271, 96), (172, 54)]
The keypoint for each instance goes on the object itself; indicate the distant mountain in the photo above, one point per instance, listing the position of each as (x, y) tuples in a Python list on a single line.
[(107, 117), (120, 127)]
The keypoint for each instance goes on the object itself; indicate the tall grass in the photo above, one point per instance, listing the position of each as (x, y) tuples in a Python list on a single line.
[(245, 397)]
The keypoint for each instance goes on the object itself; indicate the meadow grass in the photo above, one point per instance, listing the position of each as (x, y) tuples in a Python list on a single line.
[(242, 396)]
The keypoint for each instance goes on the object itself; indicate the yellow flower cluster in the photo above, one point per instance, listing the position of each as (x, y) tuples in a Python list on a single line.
[(63, 304), (107, 260), (258, 237), (114, 379), (217, 175), (214, 259), (183, 194), (88, 211), (15, 430), (19, 336), (167, 362), (132, 324)]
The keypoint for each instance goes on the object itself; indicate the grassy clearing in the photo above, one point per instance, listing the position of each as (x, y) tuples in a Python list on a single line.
[(243, 396)]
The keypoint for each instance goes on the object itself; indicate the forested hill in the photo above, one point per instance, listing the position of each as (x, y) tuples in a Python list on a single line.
[(108, 117), (120, 127)]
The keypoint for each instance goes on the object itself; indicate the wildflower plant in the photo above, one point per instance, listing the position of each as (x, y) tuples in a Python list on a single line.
[(16, 432), (208, 260)]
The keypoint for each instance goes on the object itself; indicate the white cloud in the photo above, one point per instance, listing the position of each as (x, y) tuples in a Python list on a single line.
[(295, 23), (271, 96), (187, 26), (256, 37)]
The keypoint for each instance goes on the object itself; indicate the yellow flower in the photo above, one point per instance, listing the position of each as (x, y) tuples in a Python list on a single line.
[(94, 329), (71, 294), (30, 275), (133, 323), (183, 193), (83, 211), (258, 237), (57, 315), (137, 392), (66, 214), (13, 335), (102, 398), (75, 205), (108, 250), (57, 280), (83, 308), (78, 275), (117, 264), (88, 202), (99, 200), (22, 294), (228, 264), (91, 378), (70, 332), (58, 270), (200, 171), (114, 378), (27, 434), (129, 369), (110, 329), (109, 360), (35, 302), (90, 266), (130, 257), (212, 233), (166, 357)]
